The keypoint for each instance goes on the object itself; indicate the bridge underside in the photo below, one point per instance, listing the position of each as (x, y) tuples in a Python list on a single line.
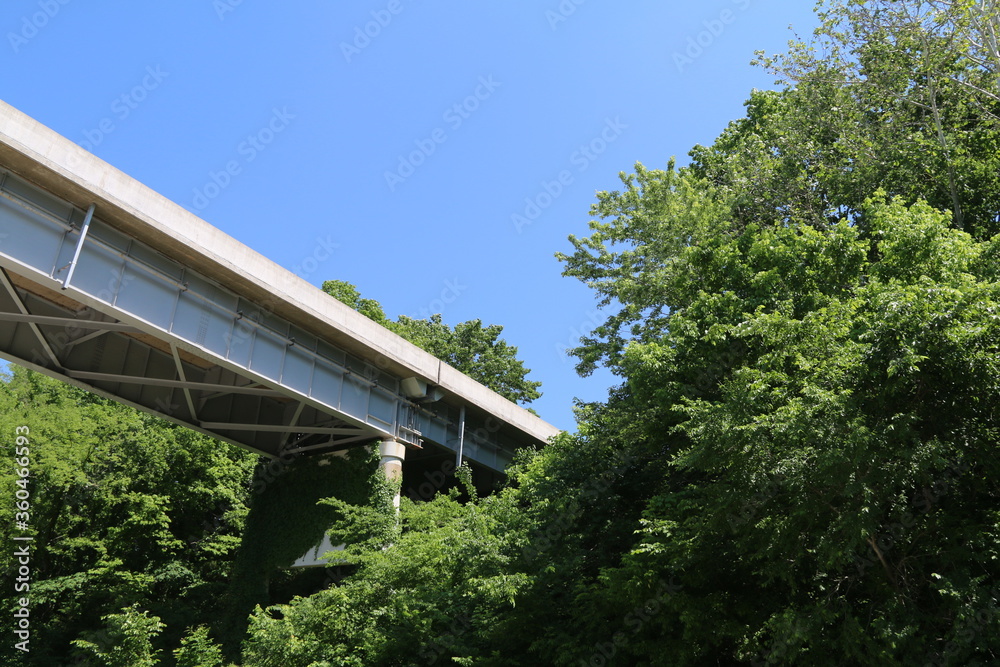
[(81, 301), (54, 332)]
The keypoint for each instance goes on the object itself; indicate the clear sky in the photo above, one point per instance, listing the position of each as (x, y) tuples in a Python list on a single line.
[(436, 155)]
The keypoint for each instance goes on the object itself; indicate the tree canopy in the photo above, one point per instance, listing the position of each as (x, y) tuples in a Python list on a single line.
[(798, 466), (126, 510)]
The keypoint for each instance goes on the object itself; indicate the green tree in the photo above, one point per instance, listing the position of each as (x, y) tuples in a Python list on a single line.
[(348, 294), (198, 650), (125, 508), (433, 594), (799, 465), (892, 94), (819, 394), (474, 349), (286, 519), (126, 640)]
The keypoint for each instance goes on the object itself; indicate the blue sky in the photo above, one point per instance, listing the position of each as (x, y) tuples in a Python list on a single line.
[(436, 155)]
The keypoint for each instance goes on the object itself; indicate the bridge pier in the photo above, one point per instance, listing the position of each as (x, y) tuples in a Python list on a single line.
[(393, 453)]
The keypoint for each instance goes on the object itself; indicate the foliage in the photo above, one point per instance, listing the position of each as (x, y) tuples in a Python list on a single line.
[(348, 294), (633, 259), (198, 650), (286, 519), (126, 640), (126, 509), (798, 467), (434, 593), (888, 94), (821, 395)]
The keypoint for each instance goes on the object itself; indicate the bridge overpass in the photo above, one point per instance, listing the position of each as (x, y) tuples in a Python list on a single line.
[(110, 286)]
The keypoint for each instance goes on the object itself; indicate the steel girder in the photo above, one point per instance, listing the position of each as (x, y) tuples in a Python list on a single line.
[(84, 302)]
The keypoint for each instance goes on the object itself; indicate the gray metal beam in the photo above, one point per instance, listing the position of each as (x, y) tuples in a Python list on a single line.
[(332, 445), (42, 342), (85, 338), (79, 245), (68, 322), (171, 328), (176, 384), (281, 428), (180, 373)]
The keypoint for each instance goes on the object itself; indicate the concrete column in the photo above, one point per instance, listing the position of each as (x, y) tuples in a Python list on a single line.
[(392, 454)]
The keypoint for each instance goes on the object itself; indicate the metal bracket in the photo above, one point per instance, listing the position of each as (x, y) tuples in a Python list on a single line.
[(79, 245)]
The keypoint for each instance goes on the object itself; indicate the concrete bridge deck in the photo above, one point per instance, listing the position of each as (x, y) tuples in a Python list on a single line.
[(112, 287)]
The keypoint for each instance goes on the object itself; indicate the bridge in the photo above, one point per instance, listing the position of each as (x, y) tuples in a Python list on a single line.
[(111, 287)]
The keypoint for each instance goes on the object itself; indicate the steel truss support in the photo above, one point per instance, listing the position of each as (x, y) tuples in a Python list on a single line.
[(177, 343), (16, 298)]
